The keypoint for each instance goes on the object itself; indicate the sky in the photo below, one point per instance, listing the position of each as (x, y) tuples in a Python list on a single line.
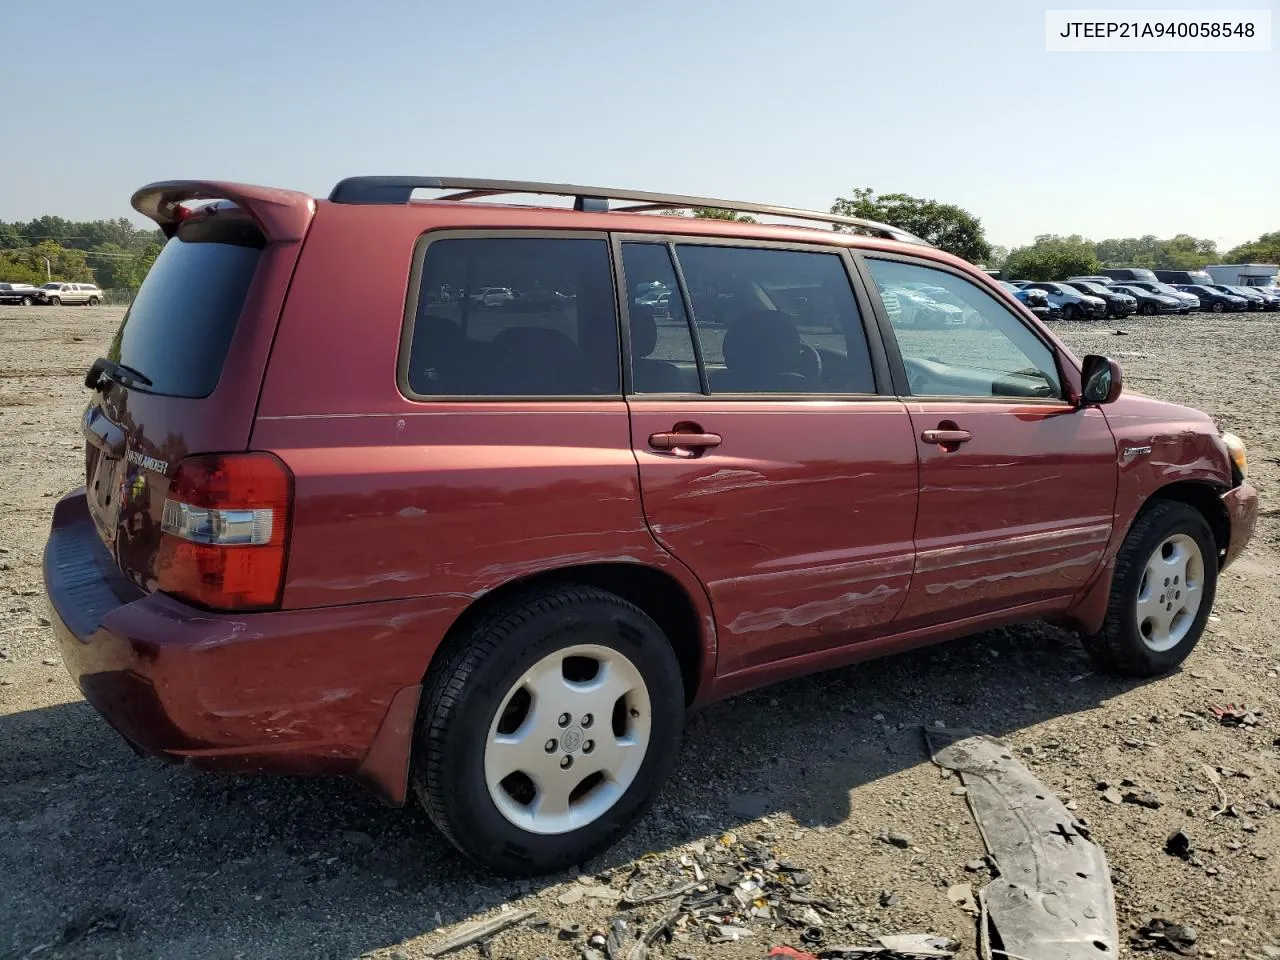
[(792, 102)]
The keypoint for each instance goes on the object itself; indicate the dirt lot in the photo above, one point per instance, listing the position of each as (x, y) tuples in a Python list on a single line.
[(103, 854)]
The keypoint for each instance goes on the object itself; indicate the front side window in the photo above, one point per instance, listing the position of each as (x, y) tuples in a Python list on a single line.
[(987, 352), (513, 317), (776, 321)]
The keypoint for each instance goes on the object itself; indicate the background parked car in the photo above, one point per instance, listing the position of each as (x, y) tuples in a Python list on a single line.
[(1183, 276), (1150, 303), (1190, 302), (1270, 296), (1101, 281), (1126, 274), (1074, 304), (23, 293), (1037, 301), (917, 308), (1257, 297), (1252, 300), (1119, 304), (56, 293), (1215, 300)]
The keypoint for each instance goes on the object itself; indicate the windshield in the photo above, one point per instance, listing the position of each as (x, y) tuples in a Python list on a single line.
[(1096, 289), (50, 286)]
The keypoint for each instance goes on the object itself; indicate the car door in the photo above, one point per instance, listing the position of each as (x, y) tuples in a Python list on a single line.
[(1017, 484), (769, 463)]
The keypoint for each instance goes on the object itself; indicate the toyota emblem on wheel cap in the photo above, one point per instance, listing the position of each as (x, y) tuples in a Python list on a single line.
[(571, 739)]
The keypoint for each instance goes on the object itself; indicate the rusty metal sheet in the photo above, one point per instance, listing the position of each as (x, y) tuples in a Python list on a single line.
[(1053, 898)]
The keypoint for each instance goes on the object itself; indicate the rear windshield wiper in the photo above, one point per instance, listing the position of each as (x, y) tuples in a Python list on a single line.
[(119, 372)]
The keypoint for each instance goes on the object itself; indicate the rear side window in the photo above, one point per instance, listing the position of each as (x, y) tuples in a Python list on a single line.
[(514, 317), (776, 321), (179, 326)]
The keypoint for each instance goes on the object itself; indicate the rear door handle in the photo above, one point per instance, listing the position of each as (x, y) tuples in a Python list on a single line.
[(945, 436), (674, 440)]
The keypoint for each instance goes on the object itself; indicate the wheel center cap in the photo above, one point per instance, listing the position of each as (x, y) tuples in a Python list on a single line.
[(571, 739)]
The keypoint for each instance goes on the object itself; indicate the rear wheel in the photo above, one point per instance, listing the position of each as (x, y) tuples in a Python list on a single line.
[(548, 729), (1162, 591), (94, 301), (1070, 312), (26, 301)]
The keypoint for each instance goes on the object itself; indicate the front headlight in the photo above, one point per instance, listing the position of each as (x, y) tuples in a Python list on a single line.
[(1235, 448)]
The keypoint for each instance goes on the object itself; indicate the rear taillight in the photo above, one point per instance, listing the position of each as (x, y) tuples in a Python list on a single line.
[(225, 527)]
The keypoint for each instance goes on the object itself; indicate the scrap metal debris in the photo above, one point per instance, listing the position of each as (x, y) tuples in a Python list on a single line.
[(1216, 779), (1158, 933), (905, 946), (1052, 899)]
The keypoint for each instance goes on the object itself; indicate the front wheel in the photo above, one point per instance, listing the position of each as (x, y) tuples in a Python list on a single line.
[(548, 729), (26, 301), (55, 301), (1217, 307), (1162, 591), (1070, 312)]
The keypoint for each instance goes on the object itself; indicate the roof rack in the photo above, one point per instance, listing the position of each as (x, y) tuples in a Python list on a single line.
[(394, 190)]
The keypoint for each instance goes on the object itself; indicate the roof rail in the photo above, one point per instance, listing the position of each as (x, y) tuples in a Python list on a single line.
[(394, 190)]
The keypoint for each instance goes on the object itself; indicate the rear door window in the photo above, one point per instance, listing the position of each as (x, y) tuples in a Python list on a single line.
[(776, 321), (179, 326), (514, 317)]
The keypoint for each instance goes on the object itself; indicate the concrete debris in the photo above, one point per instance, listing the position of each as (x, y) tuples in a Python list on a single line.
[(1158, 933)]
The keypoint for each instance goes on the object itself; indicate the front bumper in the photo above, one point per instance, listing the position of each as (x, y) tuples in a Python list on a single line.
[(293, 691), (1242, 513)]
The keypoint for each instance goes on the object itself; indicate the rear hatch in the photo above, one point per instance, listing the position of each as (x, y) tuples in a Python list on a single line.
[(182, 374)]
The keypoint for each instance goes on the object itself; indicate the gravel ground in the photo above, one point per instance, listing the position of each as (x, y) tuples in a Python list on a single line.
[(103, 854)]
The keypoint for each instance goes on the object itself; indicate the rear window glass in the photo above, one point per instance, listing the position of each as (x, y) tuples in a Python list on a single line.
[(515, 316), (180, 324)]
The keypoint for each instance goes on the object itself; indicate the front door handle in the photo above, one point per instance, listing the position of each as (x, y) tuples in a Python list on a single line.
[(684, 444), (945, 436)]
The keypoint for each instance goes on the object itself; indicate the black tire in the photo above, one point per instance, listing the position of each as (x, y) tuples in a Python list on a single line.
[(26, 301), (1119, 647), (1217, 306), (55, 301), (94, 301), (1071, 312), (1149, 309), (467, 686)]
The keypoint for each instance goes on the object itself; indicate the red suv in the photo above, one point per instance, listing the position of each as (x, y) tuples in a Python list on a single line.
[(349, 511)]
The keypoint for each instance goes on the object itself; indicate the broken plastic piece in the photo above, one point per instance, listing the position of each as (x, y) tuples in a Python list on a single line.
[(480, 930), (1053, 899)]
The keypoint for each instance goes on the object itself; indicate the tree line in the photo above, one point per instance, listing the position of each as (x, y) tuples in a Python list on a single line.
[(117, 253), (111, 253)]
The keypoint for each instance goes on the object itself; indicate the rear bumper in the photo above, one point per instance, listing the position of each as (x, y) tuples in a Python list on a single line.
[(1242, 511), (293, 691)]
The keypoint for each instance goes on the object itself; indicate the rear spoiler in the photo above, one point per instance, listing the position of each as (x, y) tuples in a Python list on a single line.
[(281, 214)]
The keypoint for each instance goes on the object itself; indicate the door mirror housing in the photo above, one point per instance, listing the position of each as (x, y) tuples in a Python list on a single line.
[(1101, 379)]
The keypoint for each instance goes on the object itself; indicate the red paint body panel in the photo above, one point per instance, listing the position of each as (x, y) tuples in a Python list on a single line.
[(1019, 513), (815, 534), (800, 528)]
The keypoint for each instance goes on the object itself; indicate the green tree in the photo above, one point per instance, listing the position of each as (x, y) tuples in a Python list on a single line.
[(117, 267), (711, 213), (996, 259), (1266, 249), (1052, 257), (944, 225)]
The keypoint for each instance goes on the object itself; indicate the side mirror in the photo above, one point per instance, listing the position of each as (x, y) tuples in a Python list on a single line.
[(1102, 381)]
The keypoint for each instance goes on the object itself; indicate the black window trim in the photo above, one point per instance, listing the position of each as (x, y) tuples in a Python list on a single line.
[(881, 367), (902, 388), (409, 320)]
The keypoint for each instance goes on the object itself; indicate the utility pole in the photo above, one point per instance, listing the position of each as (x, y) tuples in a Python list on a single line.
[(48, 268)]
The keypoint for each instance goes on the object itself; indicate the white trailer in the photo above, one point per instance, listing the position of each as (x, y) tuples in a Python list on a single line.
[(1245, 274)]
